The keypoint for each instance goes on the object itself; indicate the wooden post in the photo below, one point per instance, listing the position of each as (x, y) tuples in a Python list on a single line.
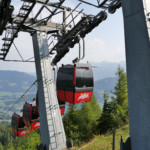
[(113, 143)]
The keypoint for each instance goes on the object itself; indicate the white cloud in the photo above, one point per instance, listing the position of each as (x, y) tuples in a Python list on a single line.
[(97, 50)]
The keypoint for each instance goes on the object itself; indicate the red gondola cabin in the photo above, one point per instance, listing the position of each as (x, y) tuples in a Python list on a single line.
[(18, 126), (75, 83), (31, 116)]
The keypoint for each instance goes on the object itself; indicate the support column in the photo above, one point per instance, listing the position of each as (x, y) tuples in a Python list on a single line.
[(138, 73), (51, 126)]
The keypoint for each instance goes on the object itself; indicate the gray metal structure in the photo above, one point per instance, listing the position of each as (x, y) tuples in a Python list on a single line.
[(138, 73), (52, 131), (51, 126)]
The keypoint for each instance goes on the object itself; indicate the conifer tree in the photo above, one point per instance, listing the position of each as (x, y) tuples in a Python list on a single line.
[(89, 115), (115, 110), (1, 146), (121, 97), (9, 145), (120, 89), (81, 124), (70, 121), (106, 121)]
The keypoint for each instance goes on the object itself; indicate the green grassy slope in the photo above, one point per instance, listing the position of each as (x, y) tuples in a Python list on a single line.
[(105, 142)]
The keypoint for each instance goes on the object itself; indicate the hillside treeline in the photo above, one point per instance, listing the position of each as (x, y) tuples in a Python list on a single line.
[(81, 123)]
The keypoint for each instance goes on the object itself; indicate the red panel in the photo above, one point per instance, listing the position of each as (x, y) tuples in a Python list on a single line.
[(61, 95), (62, 111), (24, 132), (78, 97), (35, 125), (68, 97), (82, 97)]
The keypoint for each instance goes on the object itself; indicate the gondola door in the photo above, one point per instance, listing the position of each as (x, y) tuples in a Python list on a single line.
[(35, 122)]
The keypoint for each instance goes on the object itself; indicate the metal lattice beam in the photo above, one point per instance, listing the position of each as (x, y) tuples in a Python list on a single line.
[(12, 31)]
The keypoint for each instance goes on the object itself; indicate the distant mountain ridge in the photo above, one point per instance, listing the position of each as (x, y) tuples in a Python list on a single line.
[(100, 86), (14, 81), (106, 69), (106, 84)]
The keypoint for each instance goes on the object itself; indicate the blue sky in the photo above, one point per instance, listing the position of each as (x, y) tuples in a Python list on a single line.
[(104, 43)]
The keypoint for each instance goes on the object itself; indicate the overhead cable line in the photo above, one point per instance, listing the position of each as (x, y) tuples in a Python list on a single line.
[(29, 59), (19, 60)]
